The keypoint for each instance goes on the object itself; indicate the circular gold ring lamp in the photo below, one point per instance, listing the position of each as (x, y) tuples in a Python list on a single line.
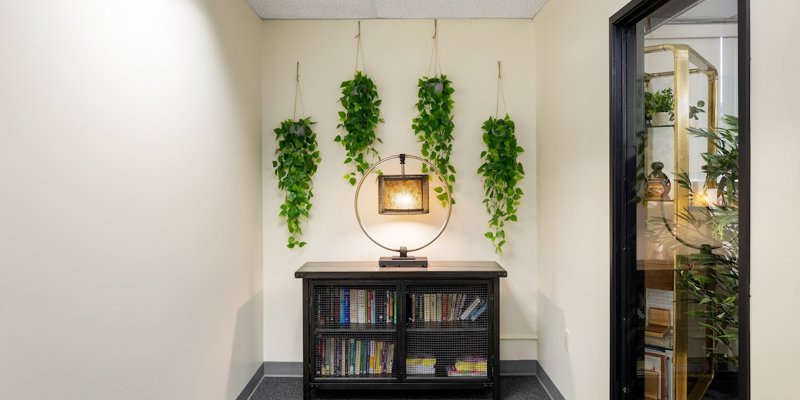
[(403, 195)]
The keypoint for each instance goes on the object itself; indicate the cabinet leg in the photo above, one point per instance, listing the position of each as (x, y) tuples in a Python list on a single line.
[(306, 392), (496, 391)]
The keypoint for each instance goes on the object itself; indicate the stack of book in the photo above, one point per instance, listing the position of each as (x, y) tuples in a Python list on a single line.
[(425, 365), (354, 357), (468, 366), (356, 306), (436, 307)]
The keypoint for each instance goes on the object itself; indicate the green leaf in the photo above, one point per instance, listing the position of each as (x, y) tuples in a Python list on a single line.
[(297, 158)]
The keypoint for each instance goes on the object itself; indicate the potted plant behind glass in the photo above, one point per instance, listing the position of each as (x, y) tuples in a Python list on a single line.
[(659, 107)]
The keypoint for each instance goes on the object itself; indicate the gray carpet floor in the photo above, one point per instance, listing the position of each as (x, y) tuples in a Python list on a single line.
[(513, 388)]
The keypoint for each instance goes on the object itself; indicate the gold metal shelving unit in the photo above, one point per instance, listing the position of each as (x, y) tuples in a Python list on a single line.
[(687, 62)]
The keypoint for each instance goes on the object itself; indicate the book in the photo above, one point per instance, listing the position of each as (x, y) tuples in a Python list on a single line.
[(478, 311), (445, 299), (460, 307), (424, 365), (361, 308), (465, 315), (390, 359)]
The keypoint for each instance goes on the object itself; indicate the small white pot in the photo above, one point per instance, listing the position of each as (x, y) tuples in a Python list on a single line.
[(660, 118)]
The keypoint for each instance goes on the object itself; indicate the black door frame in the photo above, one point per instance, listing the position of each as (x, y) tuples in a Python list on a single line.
[(626, 119)]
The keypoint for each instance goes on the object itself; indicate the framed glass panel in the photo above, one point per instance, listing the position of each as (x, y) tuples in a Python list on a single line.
[(679, 200)]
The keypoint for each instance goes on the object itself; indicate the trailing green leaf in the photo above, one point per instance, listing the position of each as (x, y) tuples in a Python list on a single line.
[(501, 172), (359, 119), (433, 128), (296, 161)]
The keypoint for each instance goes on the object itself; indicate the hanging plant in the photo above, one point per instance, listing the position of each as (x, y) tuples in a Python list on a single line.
[(359, 119), (500, 172), (296, 161), (433, 127)]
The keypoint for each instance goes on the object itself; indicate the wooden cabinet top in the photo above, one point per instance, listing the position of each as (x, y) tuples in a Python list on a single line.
[(371, 270)]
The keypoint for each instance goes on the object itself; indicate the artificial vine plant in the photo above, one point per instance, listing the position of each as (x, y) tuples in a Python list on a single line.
[(296, 161), (433, 127), (359, 119), (501, 173), (712, 283)]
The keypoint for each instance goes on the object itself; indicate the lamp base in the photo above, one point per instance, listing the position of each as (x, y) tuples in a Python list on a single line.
[(418, 262)]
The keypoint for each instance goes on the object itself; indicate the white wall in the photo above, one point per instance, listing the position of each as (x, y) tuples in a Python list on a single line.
[(572, 58), (572, 129), (130, 257), (775, 142), (397, 54)]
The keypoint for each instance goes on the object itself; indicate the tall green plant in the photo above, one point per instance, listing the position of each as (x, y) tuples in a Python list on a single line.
[(296, 161), (433, 127), (359, 119), (501, 172), (713, 280)]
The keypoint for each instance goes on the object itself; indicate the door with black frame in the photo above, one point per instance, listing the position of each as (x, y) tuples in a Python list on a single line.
[(680, 200)]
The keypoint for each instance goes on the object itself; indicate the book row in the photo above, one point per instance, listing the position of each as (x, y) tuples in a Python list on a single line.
[(353, 357), (466, 366), (430, 307), (356, 306)]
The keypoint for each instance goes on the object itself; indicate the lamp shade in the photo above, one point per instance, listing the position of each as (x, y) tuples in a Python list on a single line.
[(402, 194)]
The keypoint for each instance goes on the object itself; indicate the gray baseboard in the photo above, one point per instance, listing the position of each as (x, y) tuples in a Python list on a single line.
[(547, 383), (278, 368), (518, 367), (251, 384), (507, 368)]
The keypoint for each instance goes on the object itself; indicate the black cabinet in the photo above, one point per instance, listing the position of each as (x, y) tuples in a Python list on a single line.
[(367, 327)]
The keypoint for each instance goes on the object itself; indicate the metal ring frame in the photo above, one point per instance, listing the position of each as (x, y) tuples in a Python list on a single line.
[(434, 169)]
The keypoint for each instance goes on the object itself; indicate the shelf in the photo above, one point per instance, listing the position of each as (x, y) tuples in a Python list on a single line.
[(660, 126), (356, 328), (447, 326), (446, 378), (362, 378), (392, 343)]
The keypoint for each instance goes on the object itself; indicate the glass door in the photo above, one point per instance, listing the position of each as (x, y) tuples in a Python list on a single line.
[(678, 207)]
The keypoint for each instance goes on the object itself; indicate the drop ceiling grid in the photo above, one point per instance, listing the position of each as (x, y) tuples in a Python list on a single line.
[(395, 9)]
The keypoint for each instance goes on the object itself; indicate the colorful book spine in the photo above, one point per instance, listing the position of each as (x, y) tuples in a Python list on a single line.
[(475, 303), (477, 313)]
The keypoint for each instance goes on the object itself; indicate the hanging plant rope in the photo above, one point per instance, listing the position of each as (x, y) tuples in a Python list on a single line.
[(500, 171), (359, 119), (296, 161), (433, 126)]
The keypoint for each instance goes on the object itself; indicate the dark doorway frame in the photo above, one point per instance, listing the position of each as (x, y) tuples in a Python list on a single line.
[(626, 119)]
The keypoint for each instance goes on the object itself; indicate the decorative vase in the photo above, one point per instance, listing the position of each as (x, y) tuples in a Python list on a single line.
[(660, 118), (658, 184)]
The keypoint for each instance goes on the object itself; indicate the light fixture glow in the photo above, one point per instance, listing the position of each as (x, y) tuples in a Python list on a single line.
[(403, 194)]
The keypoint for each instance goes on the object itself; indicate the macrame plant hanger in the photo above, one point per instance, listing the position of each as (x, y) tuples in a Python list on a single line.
[(360, 51), (500, 94), (435, 64), (297, 94)]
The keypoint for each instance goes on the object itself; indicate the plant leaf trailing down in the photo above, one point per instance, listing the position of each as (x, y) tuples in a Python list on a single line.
[(433, 127), (500, 172), (359, 119), (296, 161)]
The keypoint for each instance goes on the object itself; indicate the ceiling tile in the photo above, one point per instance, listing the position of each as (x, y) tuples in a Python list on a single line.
[(367, 9)]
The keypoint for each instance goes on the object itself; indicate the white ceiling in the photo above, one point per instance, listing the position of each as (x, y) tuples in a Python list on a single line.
[(710, 10), (370, 9)]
